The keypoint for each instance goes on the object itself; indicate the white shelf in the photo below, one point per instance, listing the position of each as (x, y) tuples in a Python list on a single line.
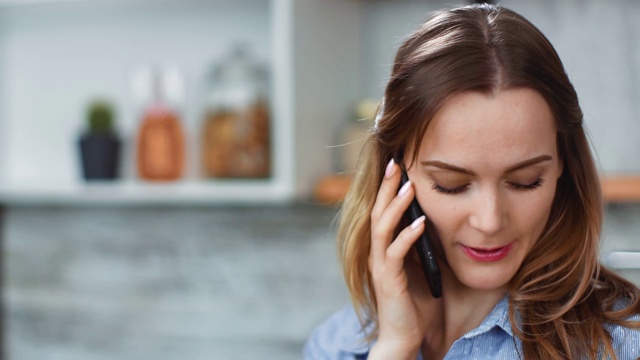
[(59, 54), (128, 193), (56, 55)]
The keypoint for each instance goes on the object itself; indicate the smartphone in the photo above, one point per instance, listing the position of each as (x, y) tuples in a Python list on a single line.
[(423, 246)]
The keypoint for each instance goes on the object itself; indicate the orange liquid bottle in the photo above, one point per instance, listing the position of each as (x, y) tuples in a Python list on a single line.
[(160, 145)]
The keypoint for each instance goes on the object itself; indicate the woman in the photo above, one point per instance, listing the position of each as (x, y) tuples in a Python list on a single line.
[(491, 131)]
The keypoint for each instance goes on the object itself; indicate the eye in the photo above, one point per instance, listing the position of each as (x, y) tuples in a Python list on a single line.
[(534, 185), (448, 191)]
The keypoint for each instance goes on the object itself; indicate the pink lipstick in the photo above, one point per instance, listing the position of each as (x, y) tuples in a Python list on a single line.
[(487, 255)]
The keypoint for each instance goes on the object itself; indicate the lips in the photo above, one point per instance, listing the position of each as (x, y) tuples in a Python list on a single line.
[(486, 254)]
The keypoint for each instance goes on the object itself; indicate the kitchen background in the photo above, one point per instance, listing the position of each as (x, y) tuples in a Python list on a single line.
[(200, 260)]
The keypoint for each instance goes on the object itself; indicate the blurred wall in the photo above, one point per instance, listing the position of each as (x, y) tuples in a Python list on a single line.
[(598, 42), (167, 283)]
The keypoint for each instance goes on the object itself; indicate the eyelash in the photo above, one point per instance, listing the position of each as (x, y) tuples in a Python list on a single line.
[(515, 186), (534, 185), (453, 191)]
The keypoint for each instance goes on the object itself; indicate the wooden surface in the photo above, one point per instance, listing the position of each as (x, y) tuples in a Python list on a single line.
[(621, 188), (332, 189)]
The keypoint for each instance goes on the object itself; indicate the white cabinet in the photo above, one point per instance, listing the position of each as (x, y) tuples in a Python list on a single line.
[(55, 56)]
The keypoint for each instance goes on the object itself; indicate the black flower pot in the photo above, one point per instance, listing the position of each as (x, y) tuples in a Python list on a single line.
[(100, 154)]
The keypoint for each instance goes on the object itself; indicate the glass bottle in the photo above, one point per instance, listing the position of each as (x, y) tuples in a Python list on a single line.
[(236, 131), (160, 141)]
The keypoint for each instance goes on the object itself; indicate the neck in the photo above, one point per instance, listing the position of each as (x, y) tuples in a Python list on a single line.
[(463, 309)]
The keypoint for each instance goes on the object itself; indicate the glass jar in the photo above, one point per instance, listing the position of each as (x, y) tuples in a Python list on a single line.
[(236, 132)]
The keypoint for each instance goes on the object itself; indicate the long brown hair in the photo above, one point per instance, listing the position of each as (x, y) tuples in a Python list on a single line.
[(561, 296)]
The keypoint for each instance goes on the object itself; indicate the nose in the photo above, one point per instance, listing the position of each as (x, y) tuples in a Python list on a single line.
[(490, 213)]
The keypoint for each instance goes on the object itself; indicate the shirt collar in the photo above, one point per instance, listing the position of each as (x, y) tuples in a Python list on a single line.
[(354, 336)]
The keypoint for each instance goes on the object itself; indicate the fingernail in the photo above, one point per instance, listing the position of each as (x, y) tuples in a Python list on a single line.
[(404, 188), (388, 172), (417, 222)]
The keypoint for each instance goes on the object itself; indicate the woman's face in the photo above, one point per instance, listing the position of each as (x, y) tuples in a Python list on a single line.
[(486, 176)]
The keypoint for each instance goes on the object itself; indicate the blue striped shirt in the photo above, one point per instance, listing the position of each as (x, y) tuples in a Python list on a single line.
[(342, 338)]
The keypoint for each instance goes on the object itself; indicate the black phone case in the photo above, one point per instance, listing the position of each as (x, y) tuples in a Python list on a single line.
[(423, 246)]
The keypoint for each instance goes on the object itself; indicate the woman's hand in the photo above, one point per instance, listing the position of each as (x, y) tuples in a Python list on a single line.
[(405, 306)]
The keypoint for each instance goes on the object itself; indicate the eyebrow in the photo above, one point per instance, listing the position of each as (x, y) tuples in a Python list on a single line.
[(518, 166)]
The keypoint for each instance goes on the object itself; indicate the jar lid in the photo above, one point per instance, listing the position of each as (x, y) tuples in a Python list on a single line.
[(238, 66)]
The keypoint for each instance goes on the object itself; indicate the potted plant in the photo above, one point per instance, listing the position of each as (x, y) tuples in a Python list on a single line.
[(99, 144)]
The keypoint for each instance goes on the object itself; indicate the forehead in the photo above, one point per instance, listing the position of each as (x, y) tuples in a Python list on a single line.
[(499, 129)]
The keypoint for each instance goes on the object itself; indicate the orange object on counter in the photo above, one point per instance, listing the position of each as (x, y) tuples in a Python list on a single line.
[(621, 188), (332, 189), (160, 145)]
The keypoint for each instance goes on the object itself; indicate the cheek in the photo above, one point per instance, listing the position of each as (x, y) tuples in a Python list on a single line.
[(444, 213), (533, 215)]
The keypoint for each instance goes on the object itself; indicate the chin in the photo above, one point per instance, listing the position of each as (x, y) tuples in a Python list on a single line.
[(485, 278)]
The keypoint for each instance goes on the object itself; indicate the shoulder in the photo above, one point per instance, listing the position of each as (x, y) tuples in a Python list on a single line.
[(339, 337), (625, 340)]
